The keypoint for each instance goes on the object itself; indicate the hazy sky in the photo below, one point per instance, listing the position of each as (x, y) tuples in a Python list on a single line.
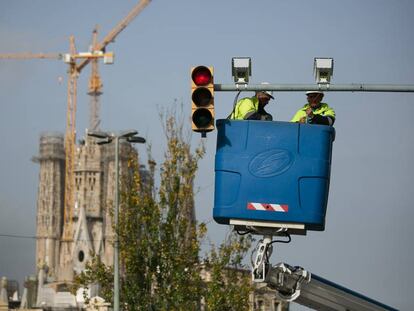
[(367, 245)]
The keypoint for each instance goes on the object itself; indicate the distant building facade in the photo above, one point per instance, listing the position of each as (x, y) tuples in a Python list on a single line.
[(91, 228)]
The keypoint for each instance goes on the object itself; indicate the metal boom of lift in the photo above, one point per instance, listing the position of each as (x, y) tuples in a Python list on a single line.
[(293, 283)]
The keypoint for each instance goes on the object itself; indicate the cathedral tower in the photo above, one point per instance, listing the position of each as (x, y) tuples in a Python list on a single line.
[(50, 201), (91, 226)]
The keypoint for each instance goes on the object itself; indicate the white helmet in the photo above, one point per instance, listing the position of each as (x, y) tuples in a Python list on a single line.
[(270, 93), (314, 92)]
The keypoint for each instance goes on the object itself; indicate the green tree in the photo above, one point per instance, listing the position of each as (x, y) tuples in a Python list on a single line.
[(230, 285), (160, 240)]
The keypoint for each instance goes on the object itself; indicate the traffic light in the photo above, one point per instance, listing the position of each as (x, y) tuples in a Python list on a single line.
[(202, 97)]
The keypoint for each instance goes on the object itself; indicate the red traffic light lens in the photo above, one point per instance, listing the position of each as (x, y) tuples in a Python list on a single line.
[(201, 76), (202, 118)]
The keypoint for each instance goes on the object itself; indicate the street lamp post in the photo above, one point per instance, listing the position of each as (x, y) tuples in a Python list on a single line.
[(106, 138)]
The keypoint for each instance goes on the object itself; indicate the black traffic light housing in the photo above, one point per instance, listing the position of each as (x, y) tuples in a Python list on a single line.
[(202, 98)]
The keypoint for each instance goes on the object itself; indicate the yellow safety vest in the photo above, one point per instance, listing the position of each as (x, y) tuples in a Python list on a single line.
[(323, 110), (243, 107)]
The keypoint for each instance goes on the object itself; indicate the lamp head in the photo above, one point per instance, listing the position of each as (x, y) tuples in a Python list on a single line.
[(136, 139), (98, 134)]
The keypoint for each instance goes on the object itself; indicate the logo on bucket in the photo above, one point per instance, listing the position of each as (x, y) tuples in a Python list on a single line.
[(284, 208), (271, 163)]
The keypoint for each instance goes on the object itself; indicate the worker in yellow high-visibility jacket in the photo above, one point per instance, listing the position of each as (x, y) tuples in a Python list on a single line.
[(315, 112), (252, 108)]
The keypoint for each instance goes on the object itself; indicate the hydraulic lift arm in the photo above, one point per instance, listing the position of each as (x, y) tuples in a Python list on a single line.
[(298, 285)]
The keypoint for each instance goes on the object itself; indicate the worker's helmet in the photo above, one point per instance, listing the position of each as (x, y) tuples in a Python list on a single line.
[(270, 93), (314, 92)]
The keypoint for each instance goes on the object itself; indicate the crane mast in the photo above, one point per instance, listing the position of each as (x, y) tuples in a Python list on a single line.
[(70, 142), (95, 87)]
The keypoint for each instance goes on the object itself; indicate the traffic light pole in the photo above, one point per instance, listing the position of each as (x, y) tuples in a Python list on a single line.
[(316, 87)]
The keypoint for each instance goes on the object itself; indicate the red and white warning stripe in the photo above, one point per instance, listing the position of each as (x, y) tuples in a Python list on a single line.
[(268, 207)]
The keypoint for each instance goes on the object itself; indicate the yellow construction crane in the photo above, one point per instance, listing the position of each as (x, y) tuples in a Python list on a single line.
[(70, 133), (95, 89), (31, 55)]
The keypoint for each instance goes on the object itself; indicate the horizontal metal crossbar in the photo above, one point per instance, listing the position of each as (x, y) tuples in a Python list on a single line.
[(316, 87)]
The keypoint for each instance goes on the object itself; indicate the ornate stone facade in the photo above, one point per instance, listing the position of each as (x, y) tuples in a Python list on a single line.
[(91, 226)]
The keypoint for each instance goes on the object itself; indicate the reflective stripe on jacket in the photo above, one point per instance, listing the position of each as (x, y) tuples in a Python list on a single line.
[(244, 108), (323, 110)]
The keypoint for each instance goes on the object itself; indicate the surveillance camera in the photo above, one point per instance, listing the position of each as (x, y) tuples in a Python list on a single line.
[(323, 70), (241, 69)]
